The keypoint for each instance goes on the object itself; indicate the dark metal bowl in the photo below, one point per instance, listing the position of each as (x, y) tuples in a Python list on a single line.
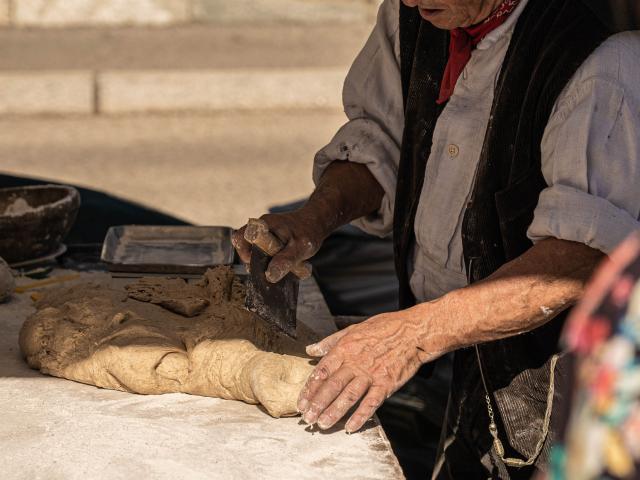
[(39, 230)]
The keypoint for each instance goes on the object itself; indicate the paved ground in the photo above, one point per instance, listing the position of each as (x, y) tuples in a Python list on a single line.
[(183, 47), (214, 169), (38, 13), (192, 68)]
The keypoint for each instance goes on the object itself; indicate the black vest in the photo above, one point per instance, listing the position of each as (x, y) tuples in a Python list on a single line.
[(551, 40)]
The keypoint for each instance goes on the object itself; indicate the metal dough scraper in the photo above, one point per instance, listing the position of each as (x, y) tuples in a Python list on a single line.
[(275, 303)]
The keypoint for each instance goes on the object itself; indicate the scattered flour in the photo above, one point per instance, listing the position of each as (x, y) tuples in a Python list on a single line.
[(546, 311), (18, 207)]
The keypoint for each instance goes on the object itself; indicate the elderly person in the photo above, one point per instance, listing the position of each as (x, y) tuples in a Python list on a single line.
[(498, 141)]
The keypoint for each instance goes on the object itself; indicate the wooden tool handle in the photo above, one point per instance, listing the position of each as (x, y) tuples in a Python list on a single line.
[(257, 233), (47, 281)]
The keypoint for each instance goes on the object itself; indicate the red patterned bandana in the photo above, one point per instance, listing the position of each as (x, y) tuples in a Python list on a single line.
[(464, 40)]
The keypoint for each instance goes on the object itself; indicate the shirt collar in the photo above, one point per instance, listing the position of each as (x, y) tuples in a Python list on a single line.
[(505, 29)]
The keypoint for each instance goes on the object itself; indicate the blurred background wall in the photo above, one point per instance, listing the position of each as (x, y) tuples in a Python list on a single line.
[(209, 110), (169, 12)]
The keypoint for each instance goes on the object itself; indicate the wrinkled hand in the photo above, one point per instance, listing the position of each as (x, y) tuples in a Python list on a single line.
[(371, 360), (300, 232)]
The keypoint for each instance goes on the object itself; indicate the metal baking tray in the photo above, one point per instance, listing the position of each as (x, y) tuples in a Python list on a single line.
[(167, 249)]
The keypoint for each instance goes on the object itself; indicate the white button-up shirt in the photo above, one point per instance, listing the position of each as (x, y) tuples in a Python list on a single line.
[(590, 149)]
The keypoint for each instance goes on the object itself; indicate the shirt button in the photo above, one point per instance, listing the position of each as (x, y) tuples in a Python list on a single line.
[(453, 150)]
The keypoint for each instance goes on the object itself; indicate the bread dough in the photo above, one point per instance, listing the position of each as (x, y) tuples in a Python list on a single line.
[(175, 295), (130, 341)]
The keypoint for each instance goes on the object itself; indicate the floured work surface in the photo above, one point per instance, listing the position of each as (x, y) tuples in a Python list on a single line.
[(57, 428)]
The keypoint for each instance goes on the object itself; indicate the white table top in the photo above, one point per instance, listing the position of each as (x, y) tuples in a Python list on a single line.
[(53, 428)]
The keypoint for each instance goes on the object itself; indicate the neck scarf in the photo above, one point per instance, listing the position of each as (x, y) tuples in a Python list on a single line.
[(464, 40)]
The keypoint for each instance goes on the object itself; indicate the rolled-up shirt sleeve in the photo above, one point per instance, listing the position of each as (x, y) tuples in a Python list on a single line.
[(373, 103), (591, 152)]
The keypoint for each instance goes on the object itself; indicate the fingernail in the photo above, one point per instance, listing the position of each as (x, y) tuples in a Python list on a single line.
[(316, 350), (273, 276), (311, 416), (303, 405), (323, 423)]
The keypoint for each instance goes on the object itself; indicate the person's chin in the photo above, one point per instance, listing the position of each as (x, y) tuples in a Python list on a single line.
[(437, 17)]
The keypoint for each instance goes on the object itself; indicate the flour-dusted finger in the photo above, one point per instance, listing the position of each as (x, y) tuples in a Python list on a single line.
[(367, 408), (350, 395), (280, 225), (327, 367), (329, 390), (241, 245), (282, 263), (323, 347)]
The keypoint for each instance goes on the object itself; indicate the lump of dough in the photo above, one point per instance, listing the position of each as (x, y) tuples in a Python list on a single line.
[(7, 282), (236, 369), (174, 294), (97, 336)]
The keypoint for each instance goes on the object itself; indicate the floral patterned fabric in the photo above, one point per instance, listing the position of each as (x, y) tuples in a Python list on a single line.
[(602, 434)]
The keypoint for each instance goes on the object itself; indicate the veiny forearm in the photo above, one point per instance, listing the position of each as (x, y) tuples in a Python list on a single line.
[(521, 296), (346, 191), (368, 362)]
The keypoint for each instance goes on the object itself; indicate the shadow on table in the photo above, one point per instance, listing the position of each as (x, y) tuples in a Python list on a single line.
[(12, 365), (338, 427)]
